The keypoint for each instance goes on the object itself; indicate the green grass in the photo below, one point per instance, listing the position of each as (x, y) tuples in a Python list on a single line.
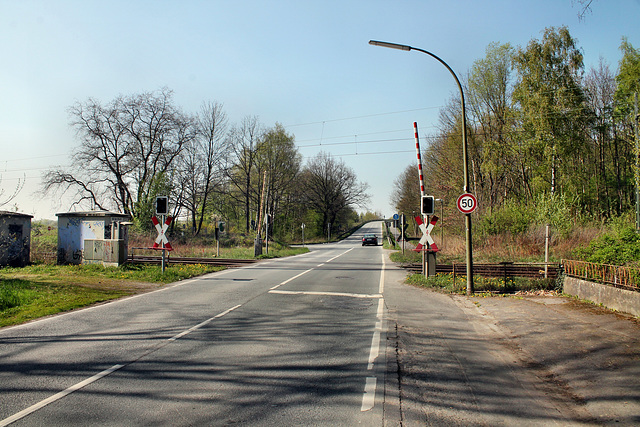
[(409, 257), (24, 300), (275, 251), (41, 290), (445, 282)]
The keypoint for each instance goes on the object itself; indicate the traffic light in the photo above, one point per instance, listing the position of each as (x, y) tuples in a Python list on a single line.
[(428, 205), (221, 226), (162, 205)]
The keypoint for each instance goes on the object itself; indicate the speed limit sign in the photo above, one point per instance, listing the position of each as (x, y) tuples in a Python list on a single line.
[(467, 203)]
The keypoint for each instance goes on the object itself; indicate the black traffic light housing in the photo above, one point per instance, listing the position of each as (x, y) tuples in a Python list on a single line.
[(428, 205), (162, 205)]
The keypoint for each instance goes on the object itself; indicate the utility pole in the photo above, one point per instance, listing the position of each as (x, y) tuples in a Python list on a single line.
[(637, 153)]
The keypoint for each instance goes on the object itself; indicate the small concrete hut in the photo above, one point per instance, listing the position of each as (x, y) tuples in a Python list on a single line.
[(92, 237), (15, 239)]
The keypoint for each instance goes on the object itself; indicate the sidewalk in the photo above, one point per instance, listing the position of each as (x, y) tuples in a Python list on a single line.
[(454, 360)]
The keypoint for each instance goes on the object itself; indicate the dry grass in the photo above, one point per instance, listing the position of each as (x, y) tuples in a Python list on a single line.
[(524, 248), (494, 248)]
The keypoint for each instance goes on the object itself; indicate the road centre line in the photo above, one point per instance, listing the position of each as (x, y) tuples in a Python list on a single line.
[(349, 250), (33, 408), (290, 279), (37, 406), (305, 272), (200, 325)]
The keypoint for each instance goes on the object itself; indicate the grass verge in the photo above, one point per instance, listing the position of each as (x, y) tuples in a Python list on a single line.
[(41, 290), (276, 250), (446, 282)]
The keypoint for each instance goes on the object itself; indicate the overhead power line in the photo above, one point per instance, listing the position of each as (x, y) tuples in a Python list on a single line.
[(360, 117)]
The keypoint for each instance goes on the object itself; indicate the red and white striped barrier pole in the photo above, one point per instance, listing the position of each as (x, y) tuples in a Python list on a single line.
[(415, 131)]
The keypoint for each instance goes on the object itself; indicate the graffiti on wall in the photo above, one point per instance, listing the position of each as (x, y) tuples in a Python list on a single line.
[(14, 243)]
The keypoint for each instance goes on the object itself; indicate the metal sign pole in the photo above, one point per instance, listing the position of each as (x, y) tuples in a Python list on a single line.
[(163, 263), (402, 236)]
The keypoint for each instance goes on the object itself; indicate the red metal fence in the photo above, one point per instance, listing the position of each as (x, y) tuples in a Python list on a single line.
[(623, 277)]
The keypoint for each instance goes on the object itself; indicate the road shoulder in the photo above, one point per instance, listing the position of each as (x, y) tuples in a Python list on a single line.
[(498, 361)]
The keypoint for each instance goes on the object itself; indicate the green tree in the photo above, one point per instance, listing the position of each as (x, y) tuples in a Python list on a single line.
[(278, 156), (495, 152), (628, 79), (406, 192), (552, 104), (628, 89)]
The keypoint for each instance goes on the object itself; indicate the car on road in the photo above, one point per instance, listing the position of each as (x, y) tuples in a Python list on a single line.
[(370, 239)]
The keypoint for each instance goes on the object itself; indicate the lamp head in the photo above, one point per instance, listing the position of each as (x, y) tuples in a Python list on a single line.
[(389, 45)]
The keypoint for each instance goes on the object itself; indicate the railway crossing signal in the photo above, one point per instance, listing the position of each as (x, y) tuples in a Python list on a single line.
[(426, 235), (162, 205), (428, 205), (162, 237)]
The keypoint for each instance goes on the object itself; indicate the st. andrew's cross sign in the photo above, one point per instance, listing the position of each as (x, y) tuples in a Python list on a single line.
[(161, 241), (426, 235)]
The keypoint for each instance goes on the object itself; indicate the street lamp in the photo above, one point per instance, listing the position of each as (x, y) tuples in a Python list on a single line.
[(467, 220)]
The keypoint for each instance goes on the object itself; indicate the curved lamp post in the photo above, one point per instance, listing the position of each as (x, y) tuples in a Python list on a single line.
[(467, 221)]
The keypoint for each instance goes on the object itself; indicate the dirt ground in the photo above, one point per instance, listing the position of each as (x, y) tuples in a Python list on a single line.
[(585, 353)]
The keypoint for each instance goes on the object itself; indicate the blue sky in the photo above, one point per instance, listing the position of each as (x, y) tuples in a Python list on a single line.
[(306, 65)]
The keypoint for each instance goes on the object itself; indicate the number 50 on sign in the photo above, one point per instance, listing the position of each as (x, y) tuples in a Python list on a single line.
[(467, 203)]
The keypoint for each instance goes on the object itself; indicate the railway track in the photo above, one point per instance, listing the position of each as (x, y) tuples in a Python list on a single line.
[(223, 262), (496, 270)]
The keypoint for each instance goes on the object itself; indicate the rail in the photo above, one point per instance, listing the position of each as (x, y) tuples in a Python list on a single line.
[(223, 262), (618, 276), (499, 270)]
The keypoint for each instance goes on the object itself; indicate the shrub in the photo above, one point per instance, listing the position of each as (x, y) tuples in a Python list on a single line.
[(620, 246), (511, 217)]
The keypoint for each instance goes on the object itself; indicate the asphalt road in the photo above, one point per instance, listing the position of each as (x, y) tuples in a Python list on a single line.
[(333, 337), (296, 341)]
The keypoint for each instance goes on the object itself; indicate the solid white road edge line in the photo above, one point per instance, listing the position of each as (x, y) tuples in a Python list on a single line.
[(369, 397), (374, 351), (381, 287)]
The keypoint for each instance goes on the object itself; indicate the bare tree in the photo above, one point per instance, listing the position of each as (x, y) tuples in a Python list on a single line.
[(600, 87), (127, 148), (9, 197), (244, 145), (585, 7), (406, 191), (203, 163), (331, 187)]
